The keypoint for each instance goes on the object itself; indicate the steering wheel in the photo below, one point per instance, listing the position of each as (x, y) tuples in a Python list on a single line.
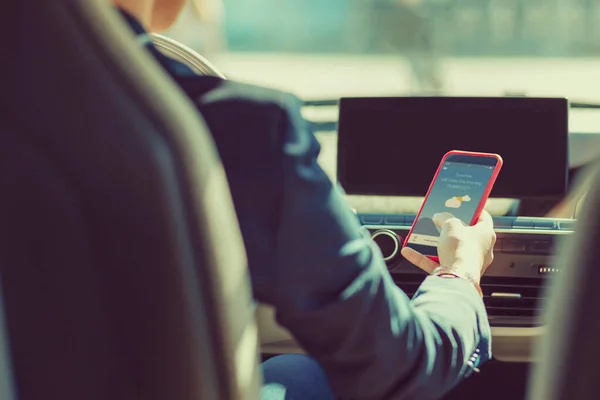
[(177, 51)]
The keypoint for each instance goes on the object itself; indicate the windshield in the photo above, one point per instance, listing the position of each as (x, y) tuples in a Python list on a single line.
[(327, 49)]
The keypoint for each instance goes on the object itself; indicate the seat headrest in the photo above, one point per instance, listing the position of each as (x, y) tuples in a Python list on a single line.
[(112, 210)]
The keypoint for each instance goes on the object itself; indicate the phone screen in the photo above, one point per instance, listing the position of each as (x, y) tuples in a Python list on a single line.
[(458, 189)]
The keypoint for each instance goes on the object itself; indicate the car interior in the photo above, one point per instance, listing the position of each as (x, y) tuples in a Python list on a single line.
[(118, 177)]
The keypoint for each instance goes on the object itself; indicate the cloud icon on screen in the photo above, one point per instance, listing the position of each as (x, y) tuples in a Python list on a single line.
[(456, 201)]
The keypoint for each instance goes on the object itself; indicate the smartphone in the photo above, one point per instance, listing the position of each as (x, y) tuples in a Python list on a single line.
[(461, 186)]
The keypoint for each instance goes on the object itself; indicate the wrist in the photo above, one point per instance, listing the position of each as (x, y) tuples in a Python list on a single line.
[(466, 269), (450, 272), (466, 261)]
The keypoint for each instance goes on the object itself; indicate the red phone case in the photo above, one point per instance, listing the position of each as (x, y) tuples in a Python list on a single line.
[(484, 198)]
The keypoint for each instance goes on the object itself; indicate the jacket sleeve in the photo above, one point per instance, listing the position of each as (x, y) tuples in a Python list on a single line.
[(310, 258), (333, 292)]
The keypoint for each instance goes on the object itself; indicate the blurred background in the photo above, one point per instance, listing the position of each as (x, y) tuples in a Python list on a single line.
[(327, 49), (331, 48)]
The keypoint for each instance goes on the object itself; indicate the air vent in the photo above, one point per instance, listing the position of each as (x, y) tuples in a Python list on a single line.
[(513, 301), (409, 283), (508, 301)]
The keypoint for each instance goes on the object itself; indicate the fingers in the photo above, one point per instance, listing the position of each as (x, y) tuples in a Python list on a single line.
[(419, 259)]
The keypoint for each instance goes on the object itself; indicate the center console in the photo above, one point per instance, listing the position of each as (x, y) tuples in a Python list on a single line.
[(512, 286), (392, 146)]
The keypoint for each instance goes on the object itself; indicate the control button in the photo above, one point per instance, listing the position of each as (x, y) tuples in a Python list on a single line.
[(544, 224), (395, 219), (410, 219), (371, 219), (513, 246), (523, 223), (503, 222), (388, 242), (566, 225), (539, 246)]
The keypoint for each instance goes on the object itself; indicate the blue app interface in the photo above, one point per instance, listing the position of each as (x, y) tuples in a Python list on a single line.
[(457, 190)]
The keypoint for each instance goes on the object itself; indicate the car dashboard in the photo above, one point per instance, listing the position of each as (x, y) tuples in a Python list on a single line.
[(514, 284)]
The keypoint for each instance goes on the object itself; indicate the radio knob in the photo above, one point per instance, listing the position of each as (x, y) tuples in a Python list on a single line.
[(388, 242)]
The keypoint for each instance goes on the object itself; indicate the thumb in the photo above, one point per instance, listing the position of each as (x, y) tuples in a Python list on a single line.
[(419, 259)]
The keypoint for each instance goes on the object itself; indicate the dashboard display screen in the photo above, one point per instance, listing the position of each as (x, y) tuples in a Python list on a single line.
[(392, 146)]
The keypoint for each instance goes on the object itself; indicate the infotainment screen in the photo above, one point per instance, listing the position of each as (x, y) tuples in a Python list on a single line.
[(392, 146)]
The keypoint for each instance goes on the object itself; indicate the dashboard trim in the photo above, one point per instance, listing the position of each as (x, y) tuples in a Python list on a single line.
[(497, 230)]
